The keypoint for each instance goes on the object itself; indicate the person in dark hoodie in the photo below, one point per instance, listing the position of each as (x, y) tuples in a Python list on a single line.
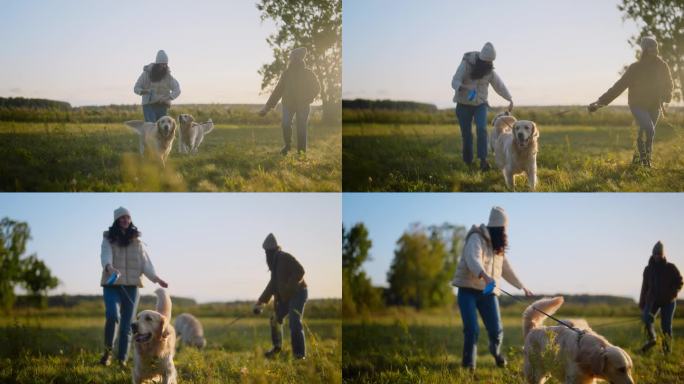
[(650, 85), (157, 88), (662, 282), (298, 87), (288, 288)]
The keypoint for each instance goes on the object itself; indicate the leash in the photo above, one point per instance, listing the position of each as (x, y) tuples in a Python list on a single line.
[(235, 320)]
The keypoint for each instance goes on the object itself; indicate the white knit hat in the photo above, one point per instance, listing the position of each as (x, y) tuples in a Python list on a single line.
[(121, 211), (497, 218), (270, 243), (161, 57), (298, 53), (487, 53), (648, 43)]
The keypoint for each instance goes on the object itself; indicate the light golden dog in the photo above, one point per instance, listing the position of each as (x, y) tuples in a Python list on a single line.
[(157, 136), (515, 148), (572, 357), (189, 330), (155, 343), (191, 134)]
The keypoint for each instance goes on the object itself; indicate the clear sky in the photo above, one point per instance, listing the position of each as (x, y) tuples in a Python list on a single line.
[(548, 52), (596, 243), (92, 52), (206, 246)]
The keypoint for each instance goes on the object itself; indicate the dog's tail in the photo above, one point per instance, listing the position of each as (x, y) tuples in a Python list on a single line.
[(208, 126), (163, 303), (137, 125), (533, 319)]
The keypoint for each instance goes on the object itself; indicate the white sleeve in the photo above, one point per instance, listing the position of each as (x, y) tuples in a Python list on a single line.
[(105, 252), (138, 88), (175, 88), (473, 255), (500, 87), (148, 268), (457, 80), (508, 274)]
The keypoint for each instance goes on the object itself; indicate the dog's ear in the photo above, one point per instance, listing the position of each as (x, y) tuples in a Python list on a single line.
[(163, 330), (598, 361), (535, 131)]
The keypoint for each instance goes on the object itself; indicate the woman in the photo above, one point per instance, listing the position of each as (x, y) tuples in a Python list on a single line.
[(288, 288), (650, 85), (157, 87), (298, 87), (661, 284), (470, 84), (484, 261), (123, 254)]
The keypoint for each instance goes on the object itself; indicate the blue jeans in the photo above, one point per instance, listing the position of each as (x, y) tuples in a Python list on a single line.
[(153, 112), (120, 305), (471, 301), (465, 115), (294, 308), (647, 120), (302, 114), (649, 314)]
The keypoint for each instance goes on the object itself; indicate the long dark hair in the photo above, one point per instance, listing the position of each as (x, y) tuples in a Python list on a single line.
[(122, 237), (158, 72), (481, 68), (499, 239)]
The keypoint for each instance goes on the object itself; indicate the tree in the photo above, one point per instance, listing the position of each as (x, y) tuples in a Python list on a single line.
[(358, 294), (663, 19), (28, 272), (316, 25), (423, 265)]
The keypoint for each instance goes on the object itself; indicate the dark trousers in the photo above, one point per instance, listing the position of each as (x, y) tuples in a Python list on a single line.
[(294, 309), (120, 304), (302, 118), (465, 115), (666, 315)]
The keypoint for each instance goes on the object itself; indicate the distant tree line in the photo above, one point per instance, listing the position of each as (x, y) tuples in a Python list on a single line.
[(20, 102), (389, 105)]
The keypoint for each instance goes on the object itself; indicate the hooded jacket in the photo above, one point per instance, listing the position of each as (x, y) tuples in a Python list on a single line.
[(297, 86), (649, 82), (161, 92), (287, 276), (478, 256), (661, 284), (463, 84)]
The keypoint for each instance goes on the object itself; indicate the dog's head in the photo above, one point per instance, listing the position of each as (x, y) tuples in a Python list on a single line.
[(166, 126), (185, 119), (524, 131), (150, 326), (199, 341), (612, 364)]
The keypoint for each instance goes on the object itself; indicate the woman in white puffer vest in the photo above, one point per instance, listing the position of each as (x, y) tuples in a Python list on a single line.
[(122, 254), (482, 262), (157, 88)]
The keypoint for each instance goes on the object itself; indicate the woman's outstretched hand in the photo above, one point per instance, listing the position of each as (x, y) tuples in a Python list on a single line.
[(528, 293), (510, 106), (593, 107), (162, 283), (263, 112)]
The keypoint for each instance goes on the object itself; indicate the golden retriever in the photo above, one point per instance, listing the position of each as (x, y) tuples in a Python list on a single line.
[(191, 134), (572, 357), (155, 343), (189, 330), (515, 148), (156, 136)]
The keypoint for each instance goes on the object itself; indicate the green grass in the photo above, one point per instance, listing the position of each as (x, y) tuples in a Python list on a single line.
[(384, 157), (67, 349), (104, 157), (427, 349)]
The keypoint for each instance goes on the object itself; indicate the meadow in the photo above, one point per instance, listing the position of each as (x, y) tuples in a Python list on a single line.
[(89, 152), (409, 347), (61, 347), (577, 152)]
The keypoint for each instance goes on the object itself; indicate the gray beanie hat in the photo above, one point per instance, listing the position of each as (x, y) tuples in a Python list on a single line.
[(270, 242), (121, 211), (161, 57), (487, 53), (648, 43), (298, 53), (659, 249), (498, 218)]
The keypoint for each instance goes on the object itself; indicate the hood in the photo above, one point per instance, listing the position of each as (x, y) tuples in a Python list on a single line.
[(481, 230), (652, 261), (148, 67), (471, 57)]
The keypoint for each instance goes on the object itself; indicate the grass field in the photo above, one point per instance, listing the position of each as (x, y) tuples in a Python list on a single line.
[(104, 157), (384, 157), (67, 350), (427, 349)]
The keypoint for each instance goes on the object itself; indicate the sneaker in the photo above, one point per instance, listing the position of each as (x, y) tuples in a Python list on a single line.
[(122, 364), (501, 361), (484, 166), (106, 359), (649, 344), (666, 345), (284, 150), (636, 158), (300, 357), (272, 353), (646, 160)]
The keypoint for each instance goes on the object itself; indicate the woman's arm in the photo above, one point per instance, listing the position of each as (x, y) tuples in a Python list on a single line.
[(644, 289), (509, 275), (148, 268), (105, 253), (472, 252), (617, 88), (667, 85), (266, 294), (500, 88), (175, 88), (457, 80), (139, 87), (275, 96)]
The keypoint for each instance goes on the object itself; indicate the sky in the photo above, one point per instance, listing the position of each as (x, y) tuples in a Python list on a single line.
[(548, 52), (575, 243), (92, 52), (205, 246)]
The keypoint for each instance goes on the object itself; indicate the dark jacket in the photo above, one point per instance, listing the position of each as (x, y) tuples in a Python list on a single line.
[(649, 82), (287, 276), (297, 86), (661, 284)]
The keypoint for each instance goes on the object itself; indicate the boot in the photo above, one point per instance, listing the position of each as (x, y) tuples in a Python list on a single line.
[(285, 149), (106, 359), (666, 344), (646, 159), (272, 353), (501, 361), (640, 153), (648, 345)]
